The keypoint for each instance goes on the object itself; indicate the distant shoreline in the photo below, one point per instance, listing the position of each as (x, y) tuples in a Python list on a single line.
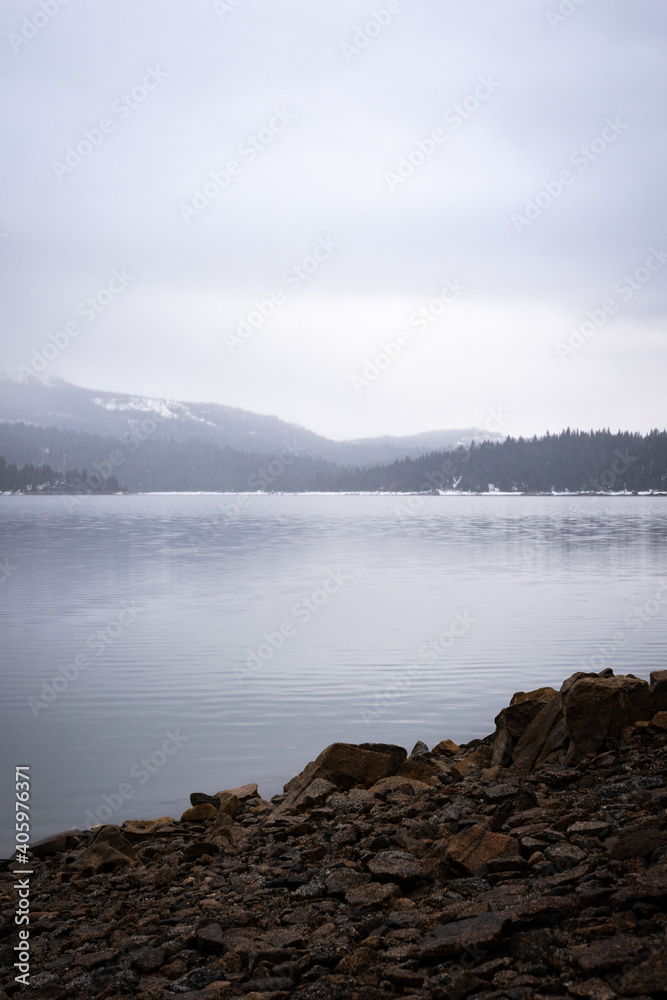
[(335, 493)]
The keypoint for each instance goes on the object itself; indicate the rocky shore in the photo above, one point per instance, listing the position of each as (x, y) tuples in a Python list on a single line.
[(526, 865)]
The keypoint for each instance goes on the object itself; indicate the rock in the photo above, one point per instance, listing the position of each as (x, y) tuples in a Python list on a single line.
[(146, 960), (598, 708), (564, 856), (402, 785), (210, 940), (589, 828), (314, 794), (137, 829), (512, 722), (473, 935), (108, 851), (195, 814), (637, 844), (472, 849), (57, 843), (201, 798), (648, 978), (345, 765), (419, 749), (593, 989), (395, 866), (658, 690), (610, 953), (445, 748), (423, 768), (242, 793), (230, 804), (371, 894), (659, 720), (541, 738)]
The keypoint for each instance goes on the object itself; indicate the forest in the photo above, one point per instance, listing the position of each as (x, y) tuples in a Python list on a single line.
[(571, 461)]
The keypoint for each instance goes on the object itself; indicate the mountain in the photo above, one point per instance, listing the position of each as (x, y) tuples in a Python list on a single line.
[(55, 403)]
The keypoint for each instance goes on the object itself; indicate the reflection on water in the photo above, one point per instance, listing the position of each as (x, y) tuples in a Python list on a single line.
[(249, 632)]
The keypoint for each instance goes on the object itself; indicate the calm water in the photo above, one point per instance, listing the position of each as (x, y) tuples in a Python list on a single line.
[(157, 645)]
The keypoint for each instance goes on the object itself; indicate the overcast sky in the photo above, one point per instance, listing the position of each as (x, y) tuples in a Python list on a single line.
[(427, 213)]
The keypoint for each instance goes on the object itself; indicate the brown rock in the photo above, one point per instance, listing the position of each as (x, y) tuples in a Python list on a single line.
[(357, 962), (422, 768), (196, 814), (147, 960), (610, 953), (201, 798), (637, 844), (345, 765), (651, 884), (531, 743), (648, 978), (57, 843), (314, 794), (658, 690), (371, 894), (593, 989), (462, 936), (512, 722), (473, 848), (407, 786), (242, 793), (229, 803), (565, 855), (395, 866), (136, 829), (659, 720), (597, 708), (445, 748), (108, 851), (210, 940), (344, 879)]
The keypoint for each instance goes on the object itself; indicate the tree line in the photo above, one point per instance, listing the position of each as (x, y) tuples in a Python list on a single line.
[(575, 461)]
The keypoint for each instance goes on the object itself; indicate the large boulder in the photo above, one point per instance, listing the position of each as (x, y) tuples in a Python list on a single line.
[(544, 737), (471, 850), (596, 709), (108, 851), (575, 724), (512, 722), (345, 766), (658, 689)]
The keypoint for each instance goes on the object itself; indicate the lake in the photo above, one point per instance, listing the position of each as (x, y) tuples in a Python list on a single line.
[(157, 645)]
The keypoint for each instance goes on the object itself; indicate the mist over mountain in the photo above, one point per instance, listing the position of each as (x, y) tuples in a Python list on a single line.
[(55, 403)]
